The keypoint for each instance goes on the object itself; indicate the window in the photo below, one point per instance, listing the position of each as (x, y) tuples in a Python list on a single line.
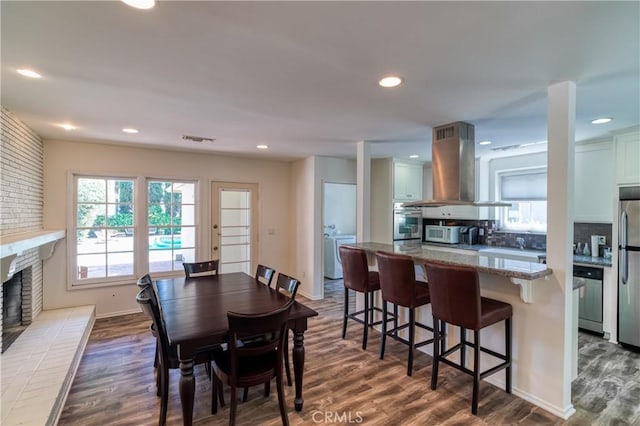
[(526, 190), (104, 249), (171, 224)]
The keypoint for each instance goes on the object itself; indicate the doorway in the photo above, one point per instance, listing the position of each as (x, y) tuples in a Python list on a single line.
[(339, 224), (234, 226)]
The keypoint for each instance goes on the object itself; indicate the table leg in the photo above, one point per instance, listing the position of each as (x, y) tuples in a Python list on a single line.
[(187, 390), (298, 366)]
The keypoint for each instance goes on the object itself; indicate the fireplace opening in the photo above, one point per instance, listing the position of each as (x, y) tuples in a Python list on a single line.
[(13, 323)]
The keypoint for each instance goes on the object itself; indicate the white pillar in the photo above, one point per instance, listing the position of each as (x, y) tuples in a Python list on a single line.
[(560, 174), (363, 202)]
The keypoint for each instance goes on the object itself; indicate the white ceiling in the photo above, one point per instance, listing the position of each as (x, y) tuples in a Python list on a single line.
[(301, 76)]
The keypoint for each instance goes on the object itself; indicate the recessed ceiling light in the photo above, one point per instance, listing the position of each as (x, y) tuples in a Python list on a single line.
[(391, 81), (130, 130), (28, 73), (601, 120), (67, 126), (140, 4), (414, 156), (485, 143), (262, 146)]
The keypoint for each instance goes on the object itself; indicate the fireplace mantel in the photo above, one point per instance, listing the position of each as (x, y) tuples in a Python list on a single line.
[(12, 246)]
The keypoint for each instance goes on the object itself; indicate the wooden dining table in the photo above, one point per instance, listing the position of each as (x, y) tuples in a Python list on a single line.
[(195, 316)]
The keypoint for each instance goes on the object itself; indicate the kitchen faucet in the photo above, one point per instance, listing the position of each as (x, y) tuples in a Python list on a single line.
[(521, 243)]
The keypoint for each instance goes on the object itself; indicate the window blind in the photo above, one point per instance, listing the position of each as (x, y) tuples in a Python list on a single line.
[(524, 186)]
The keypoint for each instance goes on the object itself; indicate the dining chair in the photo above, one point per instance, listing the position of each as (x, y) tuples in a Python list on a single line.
[(167, 355), (143, 282), (194, 269), (399, 286), (265, 274), (456, 300), (250, 364)]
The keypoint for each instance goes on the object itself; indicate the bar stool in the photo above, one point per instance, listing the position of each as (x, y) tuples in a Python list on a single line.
[(357, 277), (455, 299), (399, 286)]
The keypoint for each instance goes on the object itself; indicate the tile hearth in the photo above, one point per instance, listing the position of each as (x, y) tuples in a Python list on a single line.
[(38, 369)]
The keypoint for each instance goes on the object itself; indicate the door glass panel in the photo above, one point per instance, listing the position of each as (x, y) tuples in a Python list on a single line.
[(235, 229)]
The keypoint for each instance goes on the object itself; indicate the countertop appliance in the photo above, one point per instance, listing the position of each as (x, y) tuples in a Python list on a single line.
[(442, 234), (332, 261), (407, 223), (590, 297), (469, 235), (629, 267)]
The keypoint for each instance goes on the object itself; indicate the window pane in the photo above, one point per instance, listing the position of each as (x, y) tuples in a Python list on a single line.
[(525, 216), (186, 236), (235, 267), (235, 199), (230, 231), (91, 190), (525, 186), (235, 217), (91, 266), (187, 215), (160, 261), (241, 239), (188, 255), (120, 264), (188, 191), (89, 244), (235, 253), (91, 214)]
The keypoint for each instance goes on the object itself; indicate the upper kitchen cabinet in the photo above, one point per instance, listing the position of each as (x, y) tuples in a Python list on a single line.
[(407, 181), (627, 147), (594, 196)]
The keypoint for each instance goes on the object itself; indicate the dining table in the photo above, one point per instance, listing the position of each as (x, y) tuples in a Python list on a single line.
[(195, 309)]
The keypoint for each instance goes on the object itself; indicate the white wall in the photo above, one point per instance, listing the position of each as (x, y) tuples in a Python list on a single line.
[(339, 207), (62, 158)]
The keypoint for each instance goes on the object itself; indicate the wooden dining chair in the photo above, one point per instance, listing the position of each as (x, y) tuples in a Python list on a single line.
[(167, 354), (209, 267), (265, 274), (244, 365)]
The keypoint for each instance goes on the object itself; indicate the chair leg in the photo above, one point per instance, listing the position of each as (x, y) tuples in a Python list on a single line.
[(245, 394), (476, 371), (463, 346), (287, 368), (436, 355), (155, 357), (384, 329), (234, 405), (346, 313), (220, 392), (507, 338), (366, 322), (412, 336), (267, 388), (281, 402), (214, 394), (164, 394)]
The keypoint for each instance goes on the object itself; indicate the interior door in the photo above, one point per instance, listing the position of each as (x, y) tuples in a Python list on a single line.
[(234, 226)]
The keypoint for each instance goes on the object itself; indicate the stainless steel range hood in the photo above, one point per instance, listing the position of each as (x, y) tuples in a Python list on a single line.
[(454, 168)]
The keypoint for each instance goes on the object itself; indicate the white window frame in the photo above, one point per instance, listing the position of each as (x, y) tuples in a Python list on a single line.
[(504, 225)]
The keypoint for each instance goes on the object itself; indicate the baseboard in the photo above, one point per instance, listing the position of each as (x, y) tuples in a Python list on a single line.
[(119, 313)]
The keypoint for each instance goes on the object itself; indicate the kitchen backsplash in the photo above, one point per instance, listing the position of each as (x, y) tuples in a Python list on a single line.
[(582, 233)]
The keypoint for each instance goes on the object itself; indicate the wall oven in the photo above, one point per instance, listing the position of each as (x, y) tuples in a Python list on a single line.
[(407, 223)]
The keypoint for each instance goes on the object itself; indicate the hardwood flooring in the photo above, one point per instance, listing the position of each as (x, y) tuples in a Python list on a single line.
[(115, 383)]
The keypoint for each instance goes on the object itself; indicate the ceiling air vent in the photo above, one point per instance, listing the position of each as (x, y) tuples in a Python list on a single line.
[(197, 138)]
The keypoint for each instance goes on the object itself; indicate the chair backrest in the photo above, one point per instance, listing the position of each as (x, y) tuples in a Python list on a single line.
[(271, 327), (287, 285), (397, 278), (264, 274), (144, 281), (355, 270), (455, 294), (209, 267), (148, 301)]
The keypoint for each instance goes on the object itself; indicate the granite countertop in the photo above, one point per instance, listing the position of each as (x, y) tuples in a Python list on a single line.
[(577, 258), (495, 265)]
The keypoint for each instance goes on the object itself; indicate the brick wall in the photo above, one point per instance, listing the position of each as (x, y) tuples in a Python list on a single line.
[(21, 198)]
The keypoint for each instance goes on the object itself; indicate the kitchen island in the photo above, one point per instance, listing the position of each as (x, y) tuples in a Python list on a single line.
[(538, 351)]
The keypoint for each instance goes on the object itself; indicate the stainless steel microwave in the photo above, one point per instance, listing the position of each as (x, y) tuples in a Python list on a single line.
[(442, 234)]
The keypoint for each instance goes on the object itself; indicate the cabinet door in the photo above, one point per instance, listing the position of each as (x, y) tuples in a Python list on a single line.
[(628, 158), (594, 196), (414, 182), (407, 181)]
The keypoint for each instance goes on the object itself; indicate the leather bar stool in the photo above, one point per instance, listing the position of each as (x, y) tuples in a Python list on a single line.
[(400, 287), (456, 300), (357, 277)]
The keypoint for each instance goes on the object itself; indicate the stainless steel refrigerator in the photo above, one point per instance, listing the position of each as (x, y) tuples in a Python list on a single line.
[(629, 267)]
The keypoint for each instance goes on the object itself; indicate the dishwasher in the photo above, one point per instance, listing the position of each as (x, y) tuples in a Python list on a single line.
[(590, 301)]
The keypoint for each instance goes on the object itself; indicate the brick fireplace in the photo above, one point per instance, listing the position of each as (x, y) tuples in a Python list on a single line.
[(16, 306)]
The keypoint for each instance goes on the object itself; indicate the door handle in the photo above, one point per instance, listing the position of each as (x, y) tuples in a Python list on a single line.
[(215, 248)]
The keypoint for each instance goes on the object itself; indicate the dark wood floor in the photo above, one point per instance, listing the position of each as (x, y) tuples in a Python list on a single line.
[(115, 384)]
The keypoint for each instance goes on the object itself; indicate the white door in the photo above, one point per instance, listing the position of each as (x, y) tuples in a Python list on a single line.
[(234, 232)]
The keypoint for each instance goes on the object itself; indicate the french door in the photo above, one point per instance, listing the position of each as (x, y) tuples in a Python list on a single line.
[(234, 226)]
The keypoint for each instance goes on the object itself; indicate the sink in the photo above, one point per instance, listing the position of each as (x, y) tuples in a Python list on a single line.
[(515, 254)]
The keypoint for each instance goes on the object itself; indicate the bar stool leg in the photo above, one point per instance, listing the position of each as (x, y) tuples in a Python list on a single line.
[(412, 336), (436, 346), (366, 322), (507, 327), (346, 312), (476, 372), (463, 346), (371, 310), (395, 319), (384, 329)]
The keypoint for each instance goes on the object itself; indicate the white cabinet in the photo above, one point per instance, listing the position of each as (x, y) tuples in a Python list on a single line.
[(594, 196), (628, 158), (456, 212), (407, 181)]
